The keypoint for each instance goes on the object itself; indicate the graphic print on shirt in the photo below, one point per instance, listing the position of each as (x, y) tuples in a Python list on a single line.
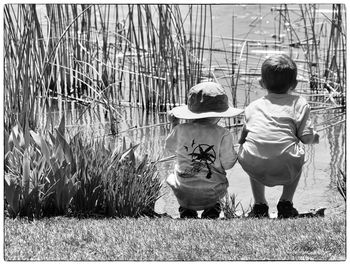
[(202, 155)]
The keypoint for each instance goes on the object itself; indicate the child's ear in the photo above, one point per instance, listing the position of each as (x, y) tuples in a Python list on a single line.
[(294, 85), (261, 82)]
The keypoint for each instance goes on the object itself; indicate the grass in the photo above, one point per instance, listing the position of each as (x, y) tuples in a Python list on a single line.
[(168, 239), (148, 59)]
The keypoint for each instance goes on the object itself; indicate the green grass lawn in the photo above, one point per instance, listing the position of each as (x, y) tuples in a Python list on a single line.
[(175, 239)]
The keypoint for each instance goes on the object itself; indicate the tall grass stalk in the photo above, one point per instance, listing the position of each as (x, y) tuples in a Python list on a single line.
[(327, 70), (140, 54), (144, 55)]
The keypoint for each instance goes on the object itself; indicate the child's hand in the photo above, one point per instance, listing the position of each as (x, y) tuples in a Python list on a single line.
[(172, 119), (243, 135), (316, 138)]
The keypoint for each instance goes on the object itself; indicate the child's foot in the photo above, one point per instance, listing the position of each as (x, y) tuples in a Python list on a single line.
[(187, 213), (212, 213), (260, 210), (286, 210)]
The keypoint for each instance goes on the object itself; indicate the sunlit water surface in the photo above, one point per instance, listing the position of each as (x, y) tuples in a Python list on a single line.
[(317, 187)]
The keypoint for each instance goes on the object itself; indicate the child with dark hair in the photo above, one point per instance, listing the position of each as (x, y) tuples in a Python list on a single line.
[(270, 151)]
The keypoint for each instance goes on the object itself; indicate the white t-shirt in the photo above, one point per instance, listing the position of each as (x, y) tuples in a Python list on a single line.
[(203, 153), (271, 153)]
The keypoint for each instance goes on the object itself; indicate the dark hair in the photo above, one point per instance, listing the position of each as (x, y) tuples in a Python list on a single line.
[(279, 73)]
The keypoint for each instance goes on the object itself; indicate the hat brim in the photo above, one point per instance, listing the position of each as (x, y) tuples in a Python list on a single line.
[(182, 112)]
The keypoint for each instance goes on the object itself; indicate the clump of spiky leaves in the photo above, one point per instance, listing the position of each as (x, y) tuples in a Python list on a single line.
[(45, 175), (341, 183), (131, 185), (113, 183), (39, 171), (229, 206), (91, 160)]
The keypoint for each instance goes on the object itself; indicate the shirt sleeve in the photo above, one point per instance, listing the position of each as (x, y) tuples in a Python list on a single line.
[(228, 155), (247, 112), (303, 122), (171, 141)]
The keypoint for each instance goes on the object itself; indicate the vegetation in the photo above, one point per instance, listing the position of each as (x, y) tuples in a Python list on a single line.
[(341, 184), (146, 56), (230, 207), (47, 176), (150, 55), (98, 54), (175, 240), (327, 71)]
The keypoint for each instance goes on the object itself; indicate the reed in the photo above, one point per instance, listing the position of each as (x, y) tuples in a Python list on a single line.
[(140, 54), (341, 184), (323, 41), (146, 55)]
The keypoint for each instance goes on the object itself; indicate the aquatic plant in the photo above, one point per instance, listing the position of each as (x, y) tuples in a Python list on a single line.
[(104, 54), (91, 158), (323, 41), (150, 55), (132, 186), (39, 171), (113, 182), (341, 183), (45, 176)]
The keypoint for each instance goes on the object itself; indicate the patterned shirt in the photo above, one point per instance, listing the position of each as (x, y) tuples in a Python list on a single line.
[(203, 153)]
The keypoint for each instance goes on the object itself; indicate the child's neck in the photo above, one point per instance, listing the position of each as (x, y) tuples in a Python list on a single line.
[(206, 121), (286, 92)]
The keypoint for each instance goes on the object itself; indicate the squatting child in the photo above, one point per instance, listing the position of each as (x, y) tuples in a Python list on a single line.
[(204, 150), (275, 124)]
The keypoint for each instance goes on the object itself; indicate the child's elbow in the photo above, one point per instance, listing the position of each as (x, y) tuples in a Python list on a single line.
[(169, 149), (230, 163), (310, 139), (228, 166)]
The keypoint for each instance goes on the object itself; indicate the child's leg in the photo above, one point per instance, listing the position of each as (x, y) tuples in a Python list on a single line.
[(285, 205), (260, 208), (258, 190), (289, 190)]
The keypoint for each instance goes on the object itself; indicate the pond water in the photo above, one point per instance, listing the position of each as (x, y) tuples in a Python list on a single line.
[(317, 187)]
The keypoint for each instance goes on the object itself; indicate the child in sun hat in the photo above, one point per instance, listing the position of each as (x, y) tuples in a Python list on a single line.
[(275, 125), (204, 150)]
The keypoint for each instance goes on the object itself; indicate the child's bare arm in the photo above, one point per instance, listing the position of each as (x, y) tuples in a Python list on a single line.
[(305, 131), (228, 155), (170, 141), (172, 119), (310, 138), (243, 135)]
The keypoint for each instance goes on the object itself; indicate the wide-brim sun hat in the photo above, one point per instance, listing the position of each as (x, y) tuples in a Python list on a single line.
[(206, 100)]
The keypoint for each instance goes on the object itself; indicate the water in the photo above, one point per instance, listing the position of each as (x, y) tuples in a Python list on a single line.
[(317, 186)]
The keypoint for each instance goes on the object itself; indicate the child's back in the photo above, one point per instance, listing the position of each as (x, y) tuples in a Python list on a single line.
[(203, 149), (203, 152), (275, 123), (202, 142)]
